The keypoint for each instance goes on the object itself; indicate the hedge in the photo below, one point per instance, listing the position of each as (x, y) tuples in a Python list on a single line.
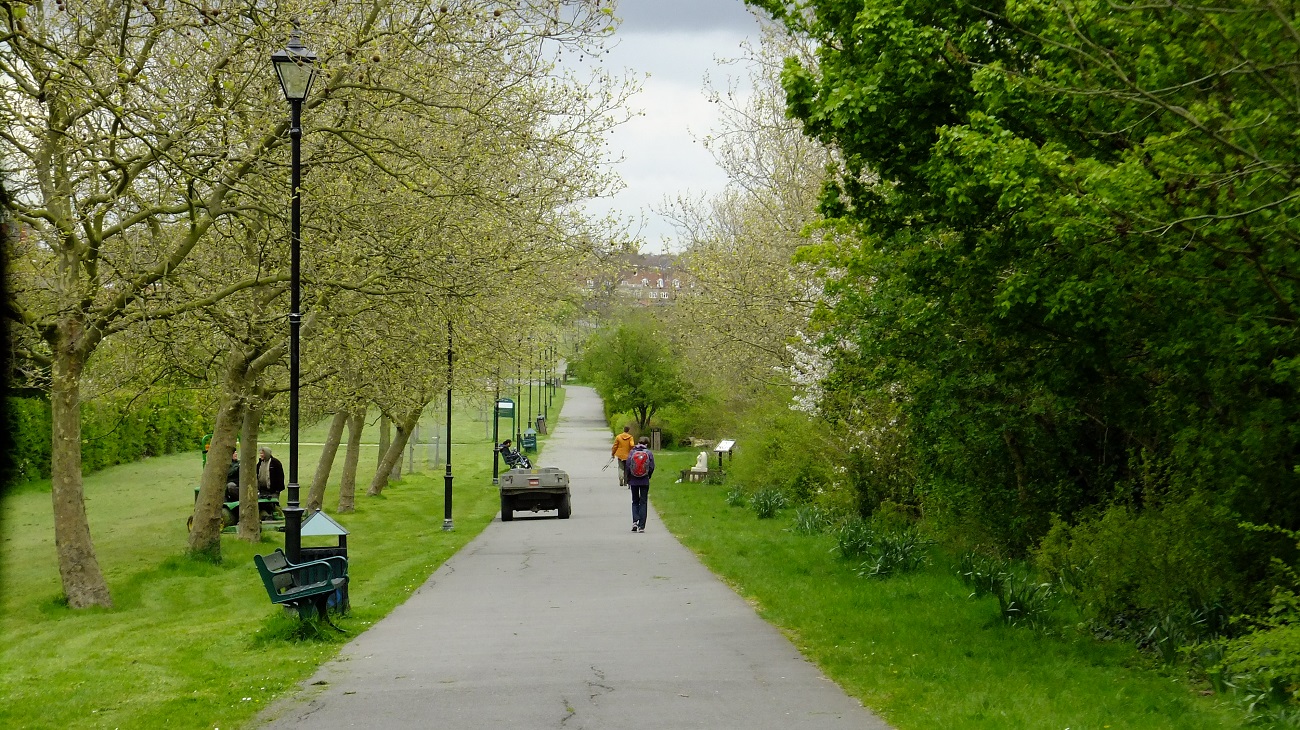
[(114, 431)]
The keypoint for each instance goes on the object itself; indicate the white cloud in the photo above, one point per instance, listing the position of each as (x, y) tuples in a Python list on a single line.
[(661, 158)]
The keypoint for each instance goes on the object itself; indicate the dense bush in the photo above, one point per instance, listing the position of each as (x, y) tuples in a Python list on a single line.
[(736, 497), (853, 539), (785, 450), (113, 432), (1132, 568)]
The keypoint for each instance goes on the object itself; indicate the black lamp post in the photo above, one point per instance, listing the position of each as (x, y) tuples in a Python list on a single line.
[(295, 66), (446, 492), (496, 427)]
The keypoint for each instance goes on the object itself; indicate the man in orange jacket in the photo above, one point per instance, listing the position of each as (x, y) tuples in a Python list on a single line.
[(622, 447)]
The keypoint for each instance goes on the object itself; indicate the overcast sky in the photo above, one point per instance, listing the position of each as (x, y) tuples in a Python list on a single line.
[(677, 43)]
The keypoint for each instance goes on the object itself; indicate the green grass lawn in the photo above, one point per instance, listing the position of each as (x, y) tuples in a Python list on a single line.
[(915, 648), (191, 644)]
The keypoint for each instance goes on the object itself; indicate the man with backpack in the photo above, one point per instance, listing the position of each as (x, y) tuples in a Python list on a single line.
[(639, 467)]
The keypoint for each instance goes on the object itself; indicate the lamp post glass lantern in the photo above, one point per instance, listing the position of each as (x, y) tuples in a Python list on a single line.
[(295, 66)]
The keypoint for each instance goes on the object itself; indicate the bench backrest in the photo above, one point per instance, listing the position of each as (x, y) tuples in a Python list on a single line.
[(274, 582)]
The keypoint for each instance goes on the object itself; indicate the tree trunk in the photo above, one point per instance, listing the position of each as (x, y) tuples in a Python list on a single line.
[(205, 535), (316, 496), (385, 437), (348, 484), (83, 582), (250, 522), (396, 474), (393, 453)]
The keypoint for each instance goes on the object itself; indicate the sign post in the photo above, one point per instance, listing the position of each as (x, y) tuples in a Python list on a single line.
[(505, 408)]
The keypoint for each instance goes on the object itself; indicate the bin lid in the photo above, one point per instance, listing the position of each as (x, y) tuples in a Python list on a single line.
[(529, 432), (321, 524)]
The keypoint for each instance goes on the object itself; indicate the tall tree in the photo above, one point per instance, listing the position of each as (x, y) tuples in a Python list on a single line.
[(635, 369)]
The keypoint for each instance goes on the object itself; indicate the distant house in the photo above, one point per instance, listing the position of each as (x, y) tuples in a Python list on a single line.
[(646, 280)]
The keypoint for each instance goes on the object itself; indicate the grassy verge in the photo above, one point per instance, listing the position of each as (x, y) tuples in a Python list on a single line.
[(915, 648), (191, 644)]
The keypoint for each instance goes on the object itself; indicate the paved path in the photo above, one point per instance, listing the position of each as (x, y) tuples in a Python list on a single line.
[(579, 623)]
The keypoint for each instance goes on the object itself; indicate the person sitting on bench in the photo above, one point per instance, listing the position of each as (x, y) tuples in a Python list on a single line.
[(232, 478), (270, 475)]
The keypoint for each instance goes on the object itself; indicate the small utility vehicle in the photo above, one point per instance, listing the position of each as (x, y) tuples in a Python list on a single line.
[(536, 489)]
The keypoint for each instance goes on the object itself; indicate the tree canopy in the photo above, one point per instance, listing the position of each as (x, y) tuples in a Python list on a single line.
[(1061, 235)]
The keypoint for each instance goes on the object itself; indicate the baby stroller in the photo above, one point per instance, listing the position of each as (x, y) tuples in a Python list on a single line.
[(512, 457)]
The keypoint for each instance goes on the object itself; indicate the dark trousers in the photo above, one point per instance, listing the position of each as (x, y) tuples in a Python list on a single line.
[(640, 496)]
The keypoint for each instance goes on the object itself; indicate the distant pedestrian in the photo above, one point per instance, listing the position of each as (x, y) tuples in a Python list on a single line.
[(621, 448), (639, 467)]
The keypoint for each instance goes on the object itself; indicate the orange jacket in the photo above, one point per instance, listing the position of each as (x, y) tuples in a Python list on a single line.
[(622, 446)]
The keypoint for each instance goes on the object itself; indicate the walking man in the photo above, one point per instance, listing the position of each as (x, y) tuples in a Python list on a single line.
[(621, 448), (639, 467)]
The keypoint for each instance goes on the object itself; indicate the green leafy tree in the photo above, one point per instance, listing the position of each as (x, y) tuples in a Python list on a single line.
[(634, 369), (1062, 237)]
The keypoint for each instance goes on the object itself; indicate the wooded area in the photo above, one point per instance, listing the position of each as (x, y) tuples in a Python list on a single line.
[(145, 155)]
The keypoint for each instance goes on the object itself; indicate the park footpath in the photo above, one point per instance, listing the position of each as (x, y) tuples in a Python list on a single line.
[(574, 624)]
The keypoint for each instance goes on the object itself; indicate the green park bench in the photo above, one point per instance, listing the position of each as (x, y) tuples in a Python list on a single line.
[(303, 586)]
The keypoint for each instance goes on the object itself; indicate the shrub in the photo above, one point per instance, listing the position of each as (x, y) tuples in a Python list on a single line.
[(767, 502), (29, 432), (1021, 600), (785, 450), (1134, 566), (1262, 668)]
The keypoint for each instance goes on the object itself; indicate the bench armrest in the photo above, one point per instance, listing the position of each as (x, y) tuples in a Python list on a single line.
[(338, 565)]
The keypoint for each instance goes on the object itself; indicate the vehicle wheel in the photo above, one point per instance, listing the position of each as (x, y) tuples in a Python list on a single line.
[(566, 507), (507, 513), (228, 517)]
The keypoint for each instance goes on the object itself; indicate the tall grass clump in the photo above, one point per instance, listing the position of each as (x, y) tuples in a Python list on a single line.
[(852, 539), (736, 497), (1021, 599), (811, 519), (892, 553), (767, 502)]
